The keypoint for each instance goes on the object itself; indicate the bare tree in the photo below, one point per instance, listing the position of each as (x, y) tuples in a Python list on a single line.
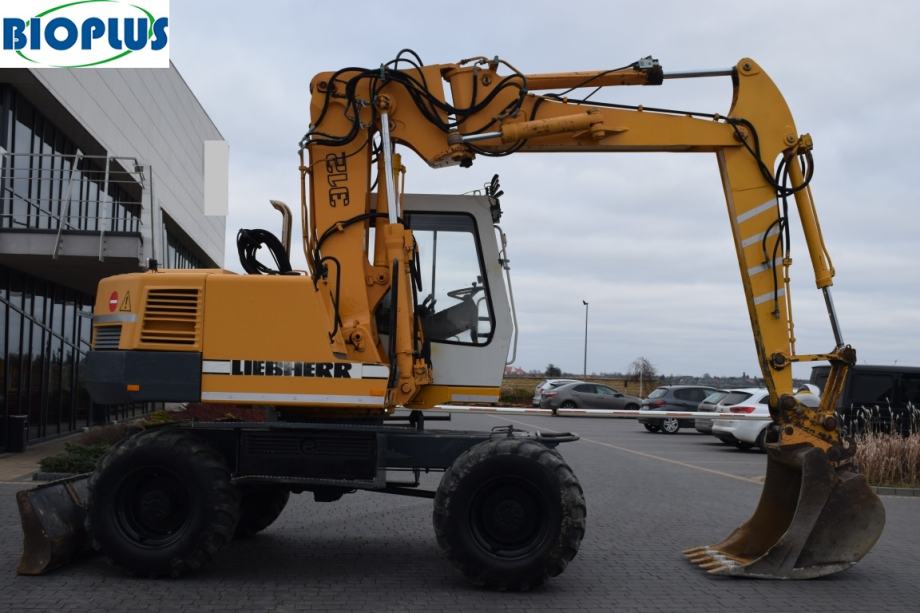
[(642, 370)]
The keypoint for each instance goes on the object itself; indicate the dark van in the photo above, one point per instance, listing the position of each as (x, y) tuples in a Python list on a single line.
[(877, 398)]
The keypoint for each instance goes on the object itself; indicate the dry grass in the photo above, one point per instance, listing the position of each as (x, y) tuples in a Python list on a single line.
[(889, 459)]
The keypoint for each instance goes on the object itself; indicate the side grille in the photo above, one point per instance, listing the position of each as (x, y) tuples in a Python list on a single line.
[(107, 337), (171, 316)]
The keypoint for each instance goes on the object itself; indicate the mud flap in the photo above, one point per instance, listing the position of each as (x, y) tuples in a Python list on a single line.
[(812, 520), (52, 524)]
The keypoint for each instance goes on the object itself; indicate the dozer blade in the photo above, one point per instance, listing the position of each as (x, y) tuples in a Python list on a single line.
[(812, 520), (52, 524)]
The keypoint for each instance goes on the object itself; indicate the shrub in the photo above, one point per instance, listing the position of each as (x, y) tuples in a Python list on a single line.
[(75, 458), (511, 395), (889, 459)]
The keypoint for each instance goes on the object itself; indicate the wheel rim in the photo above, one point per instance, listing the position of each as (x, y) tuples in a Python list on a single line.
[(670, 424), (508, 517), (152, 507)]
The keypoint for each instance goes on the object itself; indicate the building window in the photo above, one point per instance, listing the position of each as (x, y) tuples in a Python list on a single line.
[(45, 181)]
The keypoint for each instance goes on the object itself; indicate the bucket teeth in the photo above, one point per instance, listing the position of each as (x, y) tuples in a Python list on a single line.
[(711, 560)]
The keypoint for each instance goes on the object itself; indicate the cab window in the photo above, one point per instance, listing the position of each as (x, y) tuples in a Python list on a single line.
[(454, 301)]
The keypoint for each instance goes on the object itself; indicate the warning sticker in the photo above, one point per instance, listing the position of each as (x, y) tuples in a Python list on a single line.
[(125, 302), (113, 301)]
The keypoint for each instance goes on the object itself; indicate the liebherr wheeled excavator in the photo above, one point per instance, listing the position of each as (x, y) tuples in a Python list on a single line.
[(405, 303)]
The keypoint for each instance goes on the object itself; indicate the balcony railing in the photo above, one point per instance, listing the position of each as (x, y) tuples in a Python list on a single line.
[(73, 194)]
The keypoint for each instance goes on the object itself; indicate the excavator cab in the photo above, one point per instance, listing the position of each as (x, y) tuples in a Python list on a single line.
[(462, 299)]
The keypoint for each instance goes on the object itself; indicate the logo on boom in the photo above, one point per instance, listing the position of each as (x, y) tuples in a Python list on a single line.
[(85, 33)]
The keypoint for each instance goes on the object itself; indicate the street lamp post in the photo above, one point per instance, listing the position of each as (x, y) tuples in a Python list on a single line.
[(584, 374)]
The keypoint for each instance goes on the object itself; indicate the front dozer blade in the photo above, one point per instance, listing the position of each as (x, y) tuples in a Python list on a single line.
[(52, 524), (812, 520)]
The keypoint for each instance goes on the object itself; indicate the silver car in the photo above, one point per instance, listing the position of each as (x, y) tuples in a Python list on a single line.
[(708, 405), (588, 396), (548, 385)]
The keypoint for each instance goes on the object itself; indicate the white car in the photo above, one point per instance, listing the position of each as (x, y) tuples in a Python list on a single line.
[(747, 433), (548, 385)]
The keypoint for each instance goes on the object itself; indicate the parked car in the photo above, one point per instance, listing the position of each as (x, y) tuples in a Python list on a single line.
[(877, 398), (548, 384), (748, 433), (708, 405), (672, 398), (587, 396)]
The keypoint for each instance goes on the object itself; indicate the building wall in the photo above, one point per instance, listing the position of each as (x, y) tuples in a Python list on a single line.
[(154, 115)]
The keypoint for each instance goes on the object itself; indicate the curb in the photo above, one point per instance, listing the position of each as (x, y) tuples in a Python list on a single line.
[(896, 491), (40, 476)]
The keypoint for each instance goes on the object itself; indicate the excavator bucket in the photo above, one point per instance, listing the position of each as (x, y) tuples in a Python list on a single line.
[(52, 524), (812, 520)]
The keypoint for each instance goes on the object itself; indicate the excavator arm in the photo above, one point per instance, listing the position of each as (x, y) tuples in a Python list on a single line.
[(815, 517)]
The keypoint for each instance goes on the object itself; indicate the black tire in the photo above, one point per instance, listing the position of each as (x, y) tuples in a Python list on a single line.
[(761, 438), (509, 513), (744, 445), (568, 404), (652, 427), (260, 506), (162, 503), (631, 407), (670, 425)]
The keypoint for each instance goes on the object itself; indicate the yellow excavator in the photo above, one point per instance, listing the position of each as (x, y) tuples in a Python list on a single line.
[(407, 303)]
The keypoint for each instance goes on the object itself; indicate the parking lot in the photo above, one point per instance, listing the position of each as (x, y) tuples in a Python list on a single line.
[(649, 496)]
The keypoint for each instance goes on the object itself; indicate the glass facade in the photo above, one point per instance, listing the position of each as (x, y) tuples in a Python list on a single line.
[(177, 253), (47, 183), (45, 180), (44, 336)]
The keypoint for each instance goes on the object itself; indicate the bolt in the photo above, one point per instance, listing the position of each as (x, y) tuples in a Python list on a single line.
[(829, 423), (746, 67), (790, 139), (788, 430), (486, 79), (322, 86)]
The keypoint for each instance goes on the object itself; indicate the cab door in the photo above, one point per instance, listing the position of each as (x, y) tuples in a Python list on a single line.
[(463, 303)]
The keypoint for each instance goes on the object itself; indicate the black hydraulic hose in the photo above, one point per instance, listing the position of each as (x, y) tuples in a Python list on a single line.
[(248, 243), (394, 302)]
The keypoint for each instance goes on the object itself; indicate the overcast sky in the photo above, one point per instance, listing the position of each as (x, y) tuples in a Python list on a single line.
[(643, 237)]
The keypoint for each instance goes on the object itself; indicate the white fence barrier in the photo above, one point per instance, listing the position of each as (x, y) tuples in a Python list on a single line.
[(456, 408)]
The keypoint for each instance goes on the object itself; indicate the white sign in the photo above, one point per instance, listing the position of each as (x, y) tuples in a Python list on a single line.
[(84, 34), (216, 177)]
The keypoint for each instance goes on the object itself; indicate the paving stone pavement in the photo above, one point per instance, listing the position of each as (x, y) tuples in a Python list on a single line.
[(649, 496)]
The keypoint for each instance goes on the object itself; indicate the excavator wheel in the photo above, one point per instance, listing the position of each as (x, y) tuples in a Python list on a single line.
[(509, 513), (162, 504), (260, 506)]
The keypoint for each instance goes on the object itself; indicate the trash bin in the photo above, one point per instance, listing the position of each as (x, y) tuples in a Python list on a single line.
[(17, 432)]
